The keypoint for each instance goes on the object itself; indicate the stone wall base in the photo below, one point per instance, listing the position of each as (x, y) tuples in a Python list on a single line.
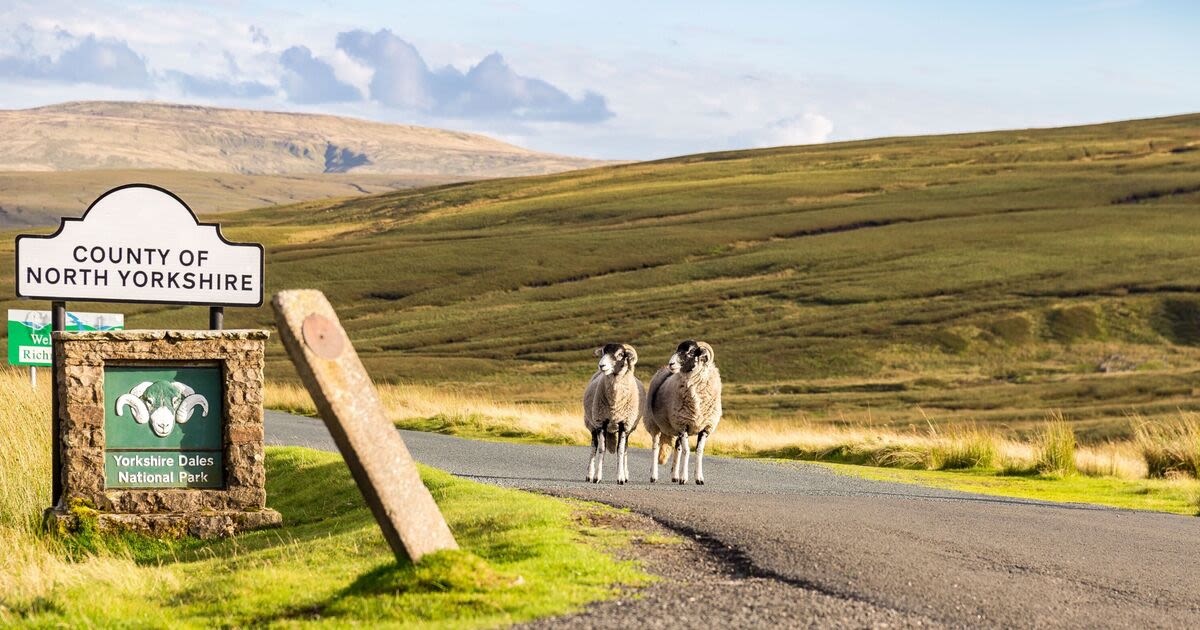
[(171, 525)]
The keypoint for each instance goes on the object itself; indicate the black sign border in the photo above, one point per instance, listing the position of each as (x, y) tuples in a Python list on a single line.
[(262, 259)]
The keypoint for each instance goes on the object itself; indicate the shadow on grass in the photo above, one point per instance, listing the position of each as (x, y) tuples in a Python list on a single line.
[(459, 574), (523, 557)]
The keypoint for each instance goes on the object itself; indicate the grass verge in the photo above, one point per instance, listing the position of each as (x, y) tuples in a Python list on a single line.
[(1176, 496), (523, 556), (1050, 465)]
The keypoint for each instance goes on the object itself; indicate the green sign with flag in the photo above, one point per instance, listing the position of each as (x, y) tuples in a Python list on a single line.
[(162, 427), (29, 333)]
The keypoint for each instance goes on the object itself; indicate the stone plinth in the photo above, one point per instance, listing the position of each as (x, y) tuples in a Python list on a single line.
[(240, 501)]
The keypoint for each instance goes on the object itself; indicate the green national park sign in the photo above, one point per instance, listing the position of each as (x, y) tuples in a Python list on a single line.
[(162, 427), (29, 333)]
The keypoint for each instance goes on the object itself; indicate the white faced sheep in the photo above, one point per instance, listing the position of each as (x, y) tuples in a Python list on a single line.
[(656, 425), (612, 408), (685, 399)]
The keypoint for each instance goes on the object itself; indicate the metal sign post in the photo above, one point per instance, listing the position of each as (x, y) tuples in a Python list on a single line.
[(58, 323)]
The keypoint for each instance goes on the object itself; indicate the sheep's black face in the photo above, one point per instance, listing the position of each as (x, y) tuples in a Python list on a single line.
[(691, 355), (616, 358)]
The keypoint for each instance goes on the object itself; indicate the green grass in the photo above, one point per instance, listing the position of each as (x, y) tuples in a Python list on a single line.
[(978, 277), (1180, 496), (523, 556), (1055, 449)]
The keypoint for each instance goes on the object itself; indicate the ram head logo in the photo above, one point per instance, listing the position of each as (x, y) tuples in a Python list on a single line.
[(162, 404)]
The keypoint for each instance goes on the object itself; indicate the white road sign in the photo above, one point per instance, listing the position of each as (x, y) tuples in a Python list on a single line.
[(139, 243)]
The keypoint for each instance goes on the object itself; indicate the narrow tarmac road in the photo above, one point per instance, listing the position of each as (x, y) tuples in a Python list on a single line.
[(890, 553)]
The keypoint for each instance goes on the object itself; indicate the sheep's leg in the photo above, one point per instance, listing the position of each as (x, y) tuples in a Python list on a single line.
[(700, 441), (620, 458), (683, 468), (675, 459), (622, 436), (625, 455), (600, 454), (596, 439), (654, 442)]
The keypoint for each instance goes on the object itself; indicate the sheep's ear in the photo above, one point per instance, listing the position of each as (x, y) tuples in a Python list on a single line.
[(597, 352)]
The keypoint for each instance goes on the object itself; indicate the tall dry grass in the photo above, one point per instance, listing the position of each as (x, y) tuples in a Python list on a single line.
[(454, 409), (1169, 448), (964, 447), (34, 566), (24, 449), (451, 410), (1056, 446)]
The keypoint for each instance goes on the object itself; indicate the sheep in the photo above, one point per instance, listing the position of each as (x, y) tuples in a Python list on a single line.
[(656, 425), (685, 399), (612, 408)]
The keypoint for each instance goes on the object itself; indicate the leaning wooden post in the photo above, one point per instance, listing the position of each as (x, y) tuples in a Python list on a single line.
[(350, 405)]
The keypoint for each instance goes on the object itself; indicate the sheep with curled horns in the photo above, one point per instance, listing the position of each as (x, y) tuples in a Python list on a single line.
[(162, 404)]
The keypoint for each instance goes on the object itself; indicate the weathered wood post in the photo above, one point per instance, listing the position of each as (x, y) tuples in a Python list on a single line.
[(378, 459)]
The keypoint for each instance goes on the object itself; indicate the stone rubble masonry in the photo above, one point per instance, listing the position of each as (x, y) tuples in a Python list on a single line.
[(80, 360)]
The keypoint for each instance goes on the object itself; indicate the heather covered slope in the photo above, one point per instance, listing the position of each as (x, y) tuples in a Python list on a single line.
[(987, 277)]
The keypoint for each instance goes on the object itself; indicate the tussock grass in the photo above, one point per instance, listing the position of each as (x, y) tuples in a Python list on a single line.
[(445, 409), (24, 447), (32, 565), (471, 414), (1056, 448), (969, 457), (1170, 447), (965, 448)]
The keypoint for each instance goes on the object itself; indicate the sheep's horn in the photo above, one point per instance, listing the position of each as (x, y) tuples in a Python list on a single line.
[(141, 413), (183, 390), (141, 388), (184, 413)]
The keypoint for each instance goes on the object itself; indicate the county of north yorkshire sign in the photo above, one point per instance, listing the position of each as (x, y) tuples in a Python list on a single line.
[(139, 243)]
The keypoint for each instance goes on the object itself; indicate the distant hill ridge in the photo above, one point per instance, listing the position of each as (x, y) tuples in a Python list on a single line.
[(151, 135)]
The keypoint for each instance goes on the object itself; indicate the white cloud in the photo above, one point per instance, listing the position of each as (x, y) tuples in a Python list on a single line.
[(86, 59), (307, 79), (807, 128), (489, 89)]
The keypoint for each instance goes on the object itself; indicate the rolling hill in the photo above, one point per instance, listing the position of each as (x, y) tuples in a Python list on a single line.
[(984, 277), (40, 198), (51, 157)]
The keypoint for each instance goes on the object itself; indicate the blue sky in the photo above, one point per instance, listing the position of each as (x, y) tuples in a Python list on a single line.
[(619, 79)]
